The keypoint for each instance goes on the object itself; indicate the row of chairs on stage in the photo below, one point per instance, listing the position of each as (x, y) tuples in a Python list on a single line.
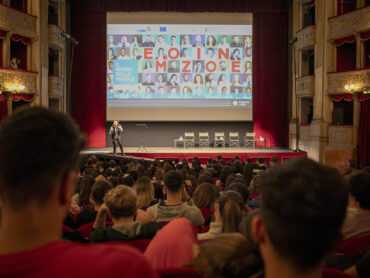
[(204, 140)]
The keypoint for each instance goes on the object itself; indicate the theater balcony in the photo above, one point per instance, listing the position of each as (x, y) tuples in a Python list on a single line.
[(306, 38), (55, 87), (349, 24), (359, 78), (304, 138), (340, 136), (20, 81), (306, 86), (55, 38), (17, 22)]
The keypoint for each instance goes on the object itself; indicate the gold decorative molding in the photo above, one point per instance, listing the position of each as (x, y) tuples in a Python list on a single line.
[(9, 78), (55, 87), (337, 80), (306, 37), (349, 24), (17, 22), (306, 86), (55, 38), (340, 137)]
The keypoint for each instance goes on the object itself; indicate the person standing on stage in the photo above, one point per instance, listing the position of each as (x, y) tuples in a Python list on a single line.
[(115, 131)]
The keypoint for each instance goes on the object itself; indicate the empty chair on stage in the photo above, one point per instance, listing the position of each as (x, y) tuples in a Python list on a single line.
[(249, 141), (234, 139), (219, 139), (203, 139), (189, 141)]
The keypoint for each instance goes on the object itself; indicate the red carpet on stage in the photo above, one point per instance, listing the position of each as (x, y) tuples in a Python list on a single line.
[(225, 155)]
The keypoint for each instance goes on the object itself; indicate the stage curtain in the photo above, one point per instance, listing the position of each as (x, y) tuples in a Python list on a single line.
[(364, 97), (340, 97), (364, 135), (88, 93), (346, 57), (18, 38), (349, 39)]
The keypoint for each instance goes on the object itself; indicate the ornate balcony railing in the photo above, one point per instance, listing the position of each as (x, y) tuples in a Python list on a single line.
[(306, 86), (55, 86), (306, 37), (18, 80), (55, 38), (17, 22), (340, 136), (337, 80)]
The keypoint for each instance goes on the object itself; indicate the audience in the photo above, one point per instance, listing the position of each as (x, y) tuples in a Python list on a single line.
[(145, 193), (35, 199), (178, 203), (205, 198), (302, 210), (120, 205), (359, 195)]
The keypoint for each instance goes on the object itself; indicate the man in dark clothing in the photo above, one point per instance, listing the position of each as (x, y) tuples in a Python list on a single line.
[(115, 132), (120, 206)]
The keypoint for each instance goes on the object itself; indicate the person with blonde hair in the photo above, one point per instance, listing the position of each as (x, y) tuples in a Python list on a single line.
[(145, 193), (120, 206)]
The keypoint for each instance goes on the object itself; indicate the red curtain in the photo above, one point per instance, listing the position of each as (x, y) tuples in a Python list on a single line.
[(364, 135), (24, 97), (18, 38), (340, 97), (346, 6), (364, 97), (365, 36), (349, 39), (3, 106), (346, 56), (88, 93), (2, 34)]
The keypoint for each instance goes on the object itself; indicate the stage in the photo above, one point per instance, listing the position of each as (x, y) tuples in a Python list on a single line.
[(202, 153)]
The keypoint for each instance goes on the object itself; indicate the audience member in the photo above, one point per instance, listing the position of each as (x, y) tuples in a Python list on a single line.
[(145, 193), (302, 210), (178, 203), (205, 198), (120, 206), (359, 222), (35, 199)]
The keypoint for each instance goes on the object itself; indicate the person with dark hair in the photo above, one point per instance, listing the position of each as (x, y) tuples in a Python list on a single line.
[(114, 181), (115, 132), (120, 206), (274, 161), (205, 177), (158, 191), (84, 184), (98, 191), (242, 189), (225, 172), (178, 202), (359, 195), (261, 165), (35, 199), (303, 205), (205, 196), (128, 180)]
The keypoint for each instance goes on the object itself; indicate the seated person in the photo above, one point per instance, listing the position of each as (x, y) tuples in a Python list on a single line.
[(120, 206), (35, 199), (361, 268), (228, 213), (302, 210), (359, 194), (205, 198), (178, 202), (98, 191)]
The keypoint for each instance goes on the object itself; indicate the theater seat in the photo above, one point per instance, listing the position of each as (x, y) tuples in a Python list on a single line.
[(85, 230), (178, 272), (67, 229), (140, 244), (334, 273), (206, 212), (356, 246)]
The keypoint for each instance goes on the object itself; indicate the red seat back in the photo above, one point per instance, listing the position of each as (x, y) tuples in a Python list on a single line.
[(354, 247), (140, 244), (206, 212), (67, 229), (178, 272), (85, 230), (334, 273)]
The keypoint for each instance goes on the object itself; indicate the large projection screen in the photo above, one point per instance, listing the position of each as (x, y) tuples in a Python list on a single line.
[(179, 66)]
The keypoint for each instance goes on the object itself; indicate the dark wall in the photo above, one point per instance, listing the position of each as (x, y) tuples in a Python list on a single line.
[(162, 134)]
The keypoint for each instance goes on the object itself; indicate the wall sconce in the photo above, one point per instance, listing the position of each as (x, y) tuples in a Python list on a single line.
[(349, 88), (15, 88)]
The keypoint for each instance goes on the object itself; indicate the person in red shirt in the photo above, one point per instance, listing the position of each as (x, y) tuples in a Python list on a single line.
[(39, 151)]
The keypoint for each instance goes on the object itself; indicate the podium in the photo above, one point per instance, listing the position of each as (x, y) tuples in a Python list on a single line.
[(142, 127)]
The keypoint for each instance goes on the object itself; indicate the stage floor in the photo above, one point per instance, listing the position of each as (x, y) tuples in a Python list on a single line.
[(202, 153)]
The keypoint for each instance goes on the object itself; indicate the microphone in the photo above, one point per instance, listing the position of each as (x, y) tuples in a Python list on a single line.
[(293, 40)]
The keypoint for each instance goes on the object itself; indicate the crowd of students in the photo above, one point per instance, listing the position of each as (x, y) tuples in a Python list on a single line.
[(223, 219)]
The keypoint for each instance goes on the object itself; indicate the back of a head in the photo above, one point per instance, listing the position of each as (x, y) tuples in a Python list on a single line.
[(173, 181), (99, 189), (359, 188), (37, 148), (128, 180), (241, 188), (303, 205), (225, 172), (205, 178), (144, 191), (121, 202), (228, 255), (231, 206), (85, 183), (205, 196)]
